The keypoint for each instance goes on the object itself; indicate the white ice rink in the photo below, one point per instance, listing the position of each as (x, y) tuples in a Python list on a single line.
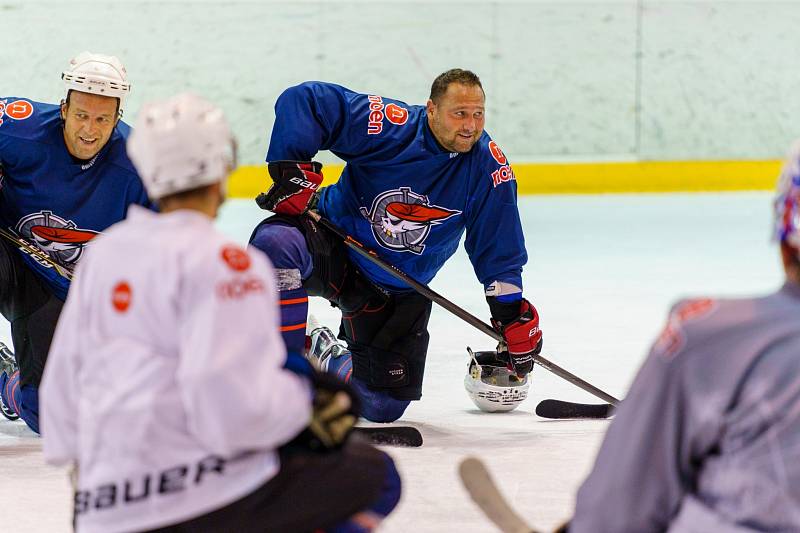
[(602, 272)]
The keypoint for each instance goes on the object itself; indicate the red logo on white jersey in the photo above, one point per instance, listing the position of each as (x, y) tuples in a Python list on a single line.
[(236, 258), (239, 288), (396, 114), (121, 297), (497, 153)]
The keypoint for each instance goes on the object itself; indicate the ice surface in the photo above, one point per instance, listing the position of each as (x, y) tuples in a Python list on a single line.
[(603, 271)]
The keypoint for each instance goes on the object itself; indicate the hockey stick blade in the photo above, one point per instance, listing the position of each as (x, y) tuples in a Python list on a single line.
[(407, 436), (484, 492), (558, 409)]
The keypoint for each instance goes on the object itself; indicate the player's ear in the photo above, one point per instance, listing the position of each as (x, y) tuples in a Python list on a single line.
[(63, 110), (430, 107)]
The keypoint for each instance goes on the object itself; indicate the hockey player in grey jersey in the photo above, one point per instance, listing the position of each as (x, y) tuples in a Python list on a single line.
[(708, 438)]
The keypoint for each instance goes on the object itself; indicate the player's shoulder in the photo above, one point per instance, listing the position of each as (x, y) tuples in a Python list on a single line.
[(698, 321), (25, 119), (490, 162), (487, 150)]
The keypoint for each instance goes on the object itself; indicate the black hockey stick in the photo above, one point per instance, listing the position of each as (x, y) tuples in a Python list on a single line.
[(484, 492), (435, 297), (391, 435), (35, 253), (561, 409)]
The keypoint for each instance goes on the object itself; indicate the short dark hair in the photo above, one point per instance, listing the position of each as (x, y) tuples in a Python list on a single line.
[(69, 93), (454, 75)]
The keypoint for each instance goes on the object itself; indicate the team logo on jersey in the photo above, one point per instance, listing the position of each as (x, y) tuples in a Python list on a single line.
[(121, 296), (61, 239), (17, 110), (402, 219), (236, 258), (672, 338), (497, 153), (378, 111)]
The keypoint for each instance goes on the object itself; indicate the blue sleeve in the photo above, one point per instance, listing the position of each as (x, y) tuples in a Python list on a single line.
[(316, 116), (308, 117), (494, 241)]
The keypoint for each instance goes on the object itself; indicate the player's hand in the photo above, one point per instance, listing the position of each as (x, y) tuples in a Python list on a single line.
[(335, 412), (522, 336), (294, 184)]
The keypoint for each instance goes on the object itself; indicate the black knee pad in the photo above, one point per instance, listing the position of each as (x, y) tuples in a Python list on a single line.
[(390, 344)]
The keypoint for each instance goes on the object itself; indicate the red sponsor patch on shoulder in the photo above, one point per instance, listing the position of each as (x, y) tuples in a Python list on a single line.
[(16, 110), (672, 338), (236, 258), (19, 109), (497, 153), (396, 114), (121, 296)]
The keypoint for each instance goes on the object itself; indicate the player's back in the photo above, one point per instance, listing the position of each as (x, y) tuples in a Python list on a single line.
[(747, 385), (145, 293)]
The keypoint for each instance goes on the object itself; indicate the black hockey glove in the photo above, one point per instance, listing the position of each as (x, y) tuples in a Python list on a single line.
[(521, 334), (294, 187), (336, 409)]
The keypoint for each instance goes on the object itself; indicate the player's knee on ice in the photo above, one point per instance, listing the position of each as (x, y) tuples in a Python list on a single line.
[(378, 406)]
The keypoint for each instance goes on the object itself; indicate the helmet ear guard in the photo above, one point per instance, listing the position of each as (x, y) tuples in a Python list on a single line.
[(491, 385)]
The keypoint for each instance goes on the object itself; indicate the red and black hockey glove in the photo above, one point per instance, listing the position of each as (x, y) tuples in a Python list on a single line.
[(522, 336), (294, 184)]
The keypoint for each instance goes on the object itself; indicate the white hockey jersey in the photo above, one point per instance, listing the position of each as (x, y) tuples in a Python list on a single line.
[(165, 380)]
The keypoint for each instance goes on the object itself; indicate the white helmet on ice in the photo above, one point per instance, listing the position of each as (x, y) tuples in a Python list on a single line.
[(491, 385), (180, 144), (97, 74), (787, 200)]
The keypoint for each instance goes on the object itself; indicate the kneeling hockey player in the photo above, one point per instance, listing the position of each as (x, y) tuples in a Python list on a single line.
[(417, 178)]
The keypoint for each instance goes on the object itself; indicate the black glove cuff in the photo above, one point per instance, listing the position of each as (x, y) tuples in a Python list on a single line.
[(503, 312)]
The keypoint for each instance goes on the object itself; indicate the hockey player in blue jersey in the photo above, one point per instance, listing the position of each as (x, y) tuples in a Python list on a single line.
[(64, 177), (417, 177)]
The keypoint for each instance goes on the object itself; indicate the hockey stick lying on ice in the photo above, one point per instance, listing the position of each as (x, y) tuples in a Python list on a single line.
[(562, 409), (435, 297), (36, 254), (484, 492)]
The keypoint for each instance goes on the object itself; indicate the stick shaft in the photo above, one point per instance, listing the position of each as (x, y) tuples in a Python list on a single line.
[(37, 254), (467, 317)]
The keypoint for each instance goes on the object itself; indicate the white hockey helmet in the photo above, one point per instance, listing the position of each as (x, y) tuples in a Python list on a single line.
[(97, 74), (180, 144), (787, 200), (491, 385)]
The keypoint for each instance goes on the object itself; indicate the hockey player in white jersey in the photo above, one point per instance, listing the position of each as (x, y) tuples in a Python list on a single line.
[(708, 438), (168, 386)]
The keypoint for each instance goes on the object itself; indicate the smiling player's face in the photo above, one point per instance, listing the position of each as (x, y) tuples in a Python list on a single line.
[(457, 120), (89, 121)]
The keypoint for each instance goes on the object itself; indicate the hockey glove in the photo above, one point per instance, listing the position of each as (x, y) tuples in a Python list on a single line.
[(335, 411), (294, 186), (522, 336)]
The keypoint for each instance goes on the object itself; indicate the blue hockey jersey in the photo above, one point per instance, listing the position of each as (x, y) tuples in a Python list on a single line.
[(50, 198), (401, 193)]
